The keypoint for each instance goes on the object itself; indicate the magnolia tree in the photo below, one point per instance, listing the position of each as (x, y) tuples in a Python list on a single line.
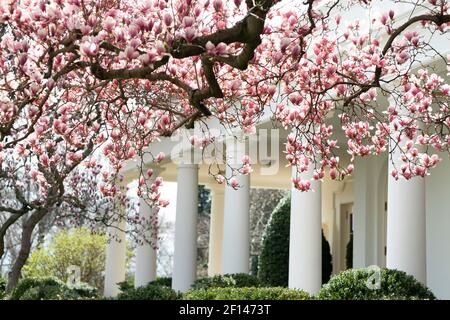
[(114, 76)]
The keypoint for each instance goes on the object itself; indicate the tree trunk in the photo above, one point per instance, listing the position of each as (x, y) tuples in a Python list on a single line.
[(3, 229), (25, 248)]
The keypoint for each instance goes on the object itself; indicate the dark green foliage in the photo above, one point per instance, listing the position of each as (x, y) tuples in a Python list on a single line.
[(252, 293), (126, 285), (159, 289), (163, 281), (352, 285), (327, 265), (274, 259), (349, 253), (149, 292), (237, 280), (83, 289), (2, 287), (254, 265), (204, 200), (49, 288), (129, 283), (273, 267)]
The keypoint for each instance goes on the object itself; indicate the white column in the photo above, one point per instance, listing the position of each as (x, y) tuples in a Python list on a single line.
[(216, 231), (305, 245), (115, 263), (185, 254), (368, 214), (406, 225), (236, 225), (145, 253)]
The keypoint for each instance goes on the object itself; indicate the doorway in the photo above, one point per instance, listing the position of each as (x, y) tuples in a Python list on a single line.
[(346, 232)]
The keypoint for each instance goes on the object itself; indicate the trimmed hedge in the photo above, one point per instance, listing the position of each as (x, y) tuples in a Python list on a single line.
[(149, 292), (274, 258), (394, 285), (237, 280), (49, 288), (129, 283), (252, 293), (273, 267)]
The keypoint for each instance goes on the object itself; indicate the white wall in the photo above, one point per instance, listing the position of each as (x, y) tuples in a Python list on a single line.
[(438, 229)]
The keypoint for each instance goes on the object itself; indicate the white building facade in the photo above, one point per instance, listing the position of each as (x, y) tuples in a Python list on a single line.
[(402, 225), (398, 224)]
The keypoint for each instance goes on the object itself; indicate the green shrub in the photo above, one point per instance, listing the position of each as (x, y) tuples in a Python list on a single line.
[(274, 258), (126, 285), (352, 285), (149, 292), (252, 293), (327, 265), (349, 253), (254, 265), (83, 289), (74, 247), (49, 288), (237, 280), (2, 287), (163, 281), (273, 267)]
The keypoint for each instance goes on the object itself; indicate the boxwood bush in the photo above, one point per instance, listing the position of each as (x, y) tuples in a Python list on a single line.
[(274, 258), (251, 293), (129, 283), (237, 280), (163, 281), (352, 285), (49, 288), (149, 292)]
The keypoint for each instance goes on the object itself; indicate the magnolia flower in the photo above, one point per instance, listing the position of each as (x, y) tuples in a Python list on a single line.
[(218, 5), (220, 179), (109, 23), (234, 183), (168, 19), (193, 140), (188, 21), (44, 160), (189, 34), (160, 157), (284, 43), (89, 49)]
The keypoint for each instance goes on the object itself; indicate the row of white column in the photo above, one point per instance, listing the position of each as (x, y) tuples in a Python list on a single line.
[(229, 246)]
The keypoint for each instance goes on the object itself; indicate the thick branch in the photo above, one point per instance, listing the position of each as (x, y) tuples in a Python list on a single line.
[(437, 19), (247, 31)]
